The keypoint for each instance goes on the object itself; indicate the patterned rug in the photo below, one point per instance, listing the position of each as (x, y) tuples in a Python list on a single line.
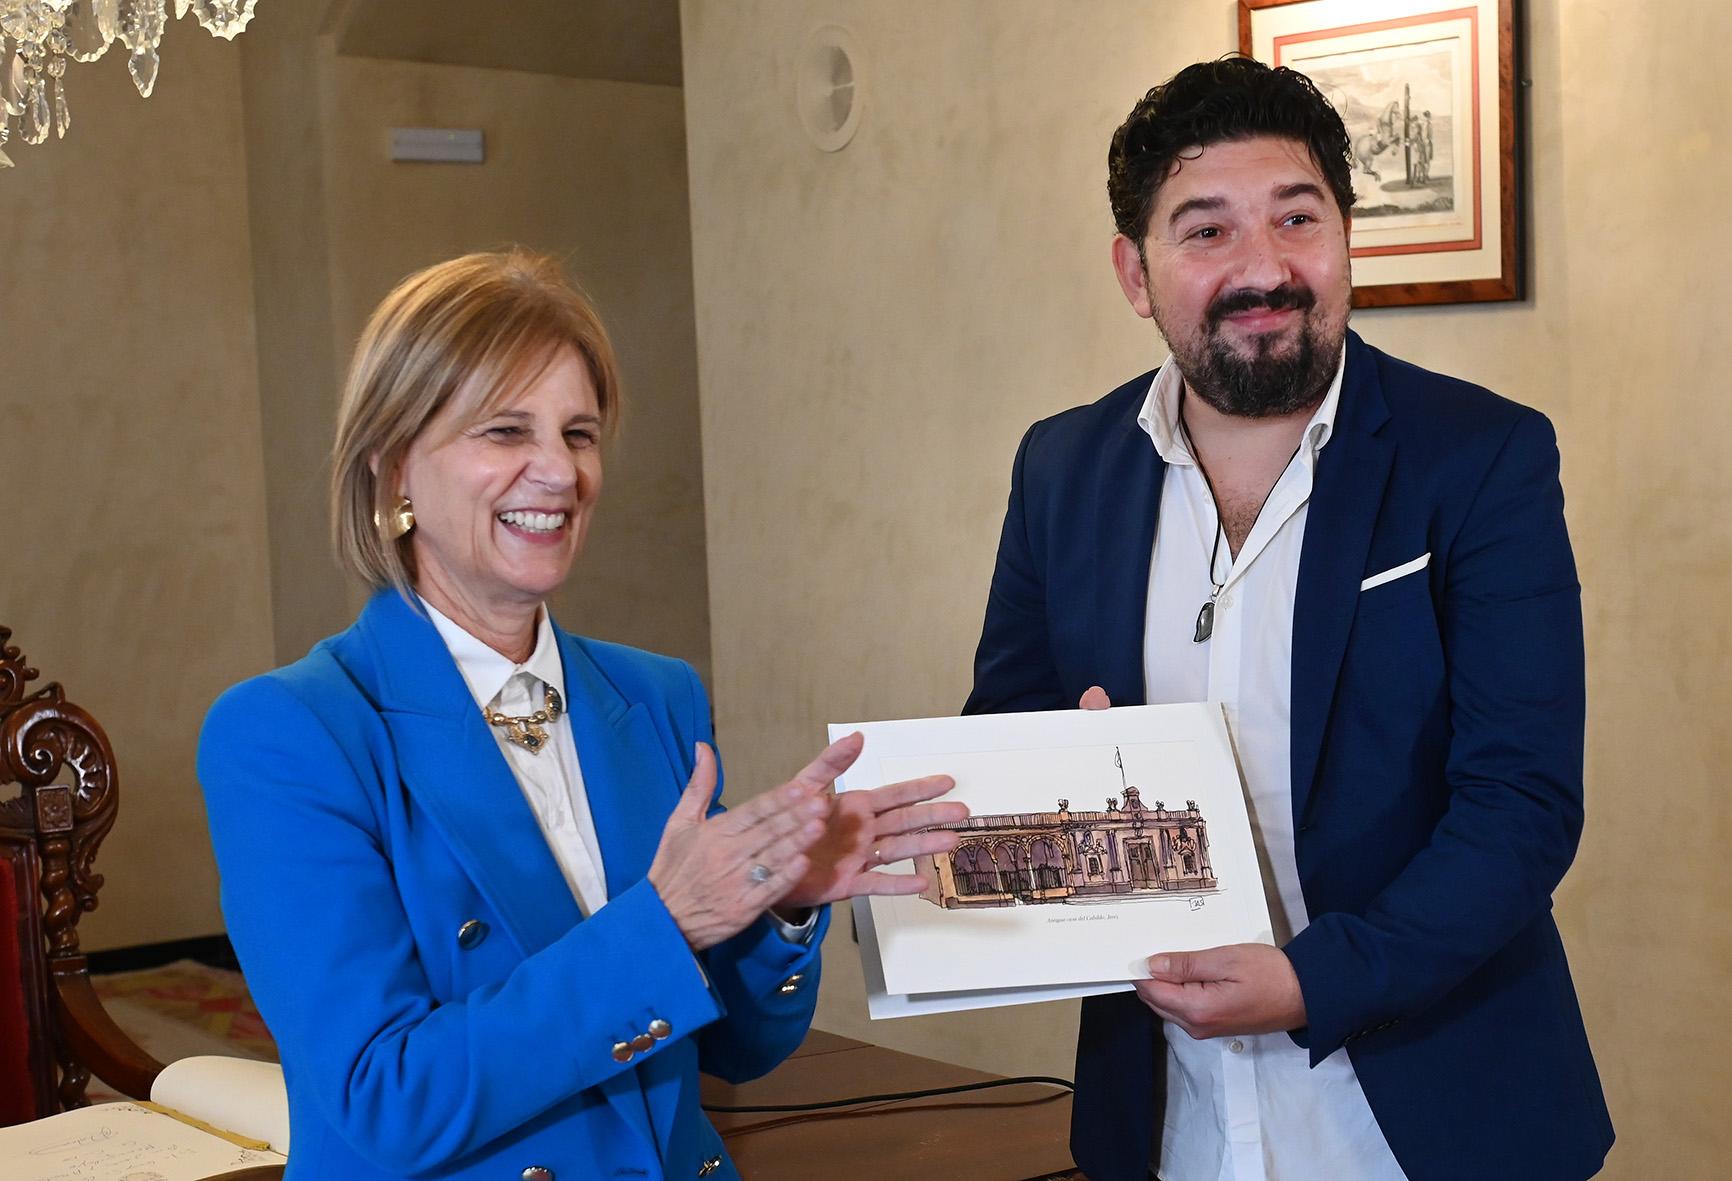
[(183, 1009)]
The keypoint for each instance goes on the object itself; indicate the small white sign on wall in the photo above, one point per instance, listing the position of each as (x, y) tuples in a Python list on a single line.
[(438, 145)]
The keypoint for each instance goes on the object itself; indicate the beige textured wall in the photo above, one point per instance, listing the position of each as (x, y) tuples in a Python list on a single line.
[(877, 327), (133, 563), (185, 278), (286, 69), (595, 173)]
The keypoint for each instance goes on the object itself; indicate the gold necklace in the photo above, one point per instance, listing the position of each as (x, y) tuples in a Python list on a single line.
[(528, 731)]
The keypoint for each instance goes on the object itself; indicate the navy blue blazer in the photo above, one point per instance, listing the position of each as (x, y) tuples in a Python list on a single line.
[(363, 817), (1437, 727)]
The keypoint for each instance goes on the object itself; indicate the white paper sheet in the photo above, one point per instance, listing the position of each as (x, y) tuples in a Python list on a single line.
[(1150, 851), (881, 1004), (118, 1140), (238, 1095)]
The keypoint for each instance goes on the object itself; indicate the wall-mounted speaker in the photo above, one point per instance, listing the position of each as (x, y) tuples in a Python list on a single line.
[(830, 87)]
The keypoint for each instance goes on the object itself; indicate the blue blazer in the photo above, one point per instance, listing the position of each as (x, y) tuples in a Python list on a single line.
[(1437, 758), (362, 815)]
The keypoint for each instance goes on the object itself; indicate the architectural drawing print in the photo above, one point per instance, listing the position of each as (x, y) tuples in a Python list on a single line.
[(1126, 852)]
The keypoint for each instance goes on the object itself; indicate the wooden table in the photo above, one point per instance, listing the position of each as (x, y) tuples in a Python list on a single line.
[(1005, 1134)]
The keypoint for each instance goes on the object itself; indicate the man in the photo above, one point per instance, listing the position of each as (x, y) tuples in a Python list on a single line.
[(1367, 563)]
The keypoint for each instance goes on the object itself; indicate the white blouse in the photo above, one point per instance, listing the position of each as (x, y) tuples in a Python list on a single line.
[(551, 779)]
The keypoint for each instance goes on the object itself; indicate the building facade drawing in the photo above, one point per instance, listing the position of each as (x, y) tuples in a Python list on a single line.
[(1064, 856)]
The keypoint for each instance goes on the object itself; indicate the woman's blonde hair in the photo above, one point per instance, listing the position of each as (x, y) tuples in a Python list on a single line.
[(483, 326)]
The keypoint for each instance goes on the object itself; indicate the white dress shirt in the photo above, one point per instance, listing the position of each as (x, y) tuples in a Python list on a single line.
[(1247, 1108), (551, 779)]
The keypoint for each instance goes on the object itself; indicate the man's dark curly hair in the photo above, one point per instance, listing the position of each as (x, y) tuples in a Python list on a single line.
[(1212, 102)]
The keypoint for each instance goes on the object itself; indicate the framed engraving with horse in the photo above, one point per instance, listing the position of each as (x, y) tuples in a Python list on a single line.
[(1428, 91)]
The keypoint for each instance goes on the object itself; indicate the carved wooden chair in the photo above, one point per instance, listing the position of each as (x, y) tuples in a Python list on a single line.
[(58, 795)]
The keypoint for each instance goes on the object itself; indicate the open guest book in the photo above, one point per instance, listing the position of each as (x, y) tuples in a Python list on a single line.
[(208, 1117)]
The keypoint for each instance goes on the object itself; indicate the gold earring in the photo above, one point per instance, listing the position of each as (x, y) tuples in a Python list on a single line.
[(401, 520)]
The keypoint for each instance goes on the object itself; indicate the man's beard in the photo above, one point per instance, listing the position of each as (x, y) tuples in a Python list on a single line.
[(1268, 383)]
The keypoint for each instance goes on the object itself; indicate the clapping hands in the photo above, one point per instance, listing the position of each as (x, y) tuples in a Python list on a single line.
[(799, 844), (867, 830)]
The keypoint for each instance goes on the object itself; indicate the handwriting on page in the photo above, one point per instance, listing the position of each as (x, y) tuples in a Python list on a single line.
[(128, 1143)]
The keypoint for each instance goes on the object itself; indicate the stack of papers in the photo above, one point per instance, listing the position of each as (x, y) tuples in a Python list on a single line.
[(1097, 839)]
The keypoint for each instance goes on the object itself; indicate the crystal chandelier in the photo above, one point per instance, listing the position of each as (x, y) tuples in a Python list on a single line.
[(38, 37)]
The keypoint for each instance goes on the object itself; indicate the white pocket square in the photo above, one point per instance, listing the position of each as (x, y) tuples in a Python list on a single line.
[(1394, 572)]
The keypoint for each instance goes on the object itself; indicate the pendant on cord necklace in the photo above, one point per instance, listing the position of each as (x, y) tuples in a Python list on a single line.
[(1206, 617), (1206, 620)]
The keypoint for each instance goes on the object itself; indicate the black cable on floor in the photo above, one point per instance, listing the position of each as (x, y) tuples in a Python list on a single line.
[(825, 1105)]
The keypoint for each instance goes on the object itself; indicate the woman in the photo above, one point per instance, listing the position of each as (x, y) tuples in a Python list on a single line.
[(472, 863)]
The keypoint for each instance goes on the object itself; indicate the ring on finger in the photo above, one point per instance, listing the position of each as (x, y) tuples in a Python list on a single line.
[(758, 874)]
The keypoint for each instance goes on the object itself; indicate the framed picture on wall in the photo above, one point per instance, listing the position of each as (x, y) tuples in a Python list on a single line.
[(1427, 89)]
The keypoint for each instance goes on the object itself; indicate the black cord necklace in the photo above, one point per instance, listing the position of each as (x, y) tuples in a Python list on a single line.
[(1206, 614)]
